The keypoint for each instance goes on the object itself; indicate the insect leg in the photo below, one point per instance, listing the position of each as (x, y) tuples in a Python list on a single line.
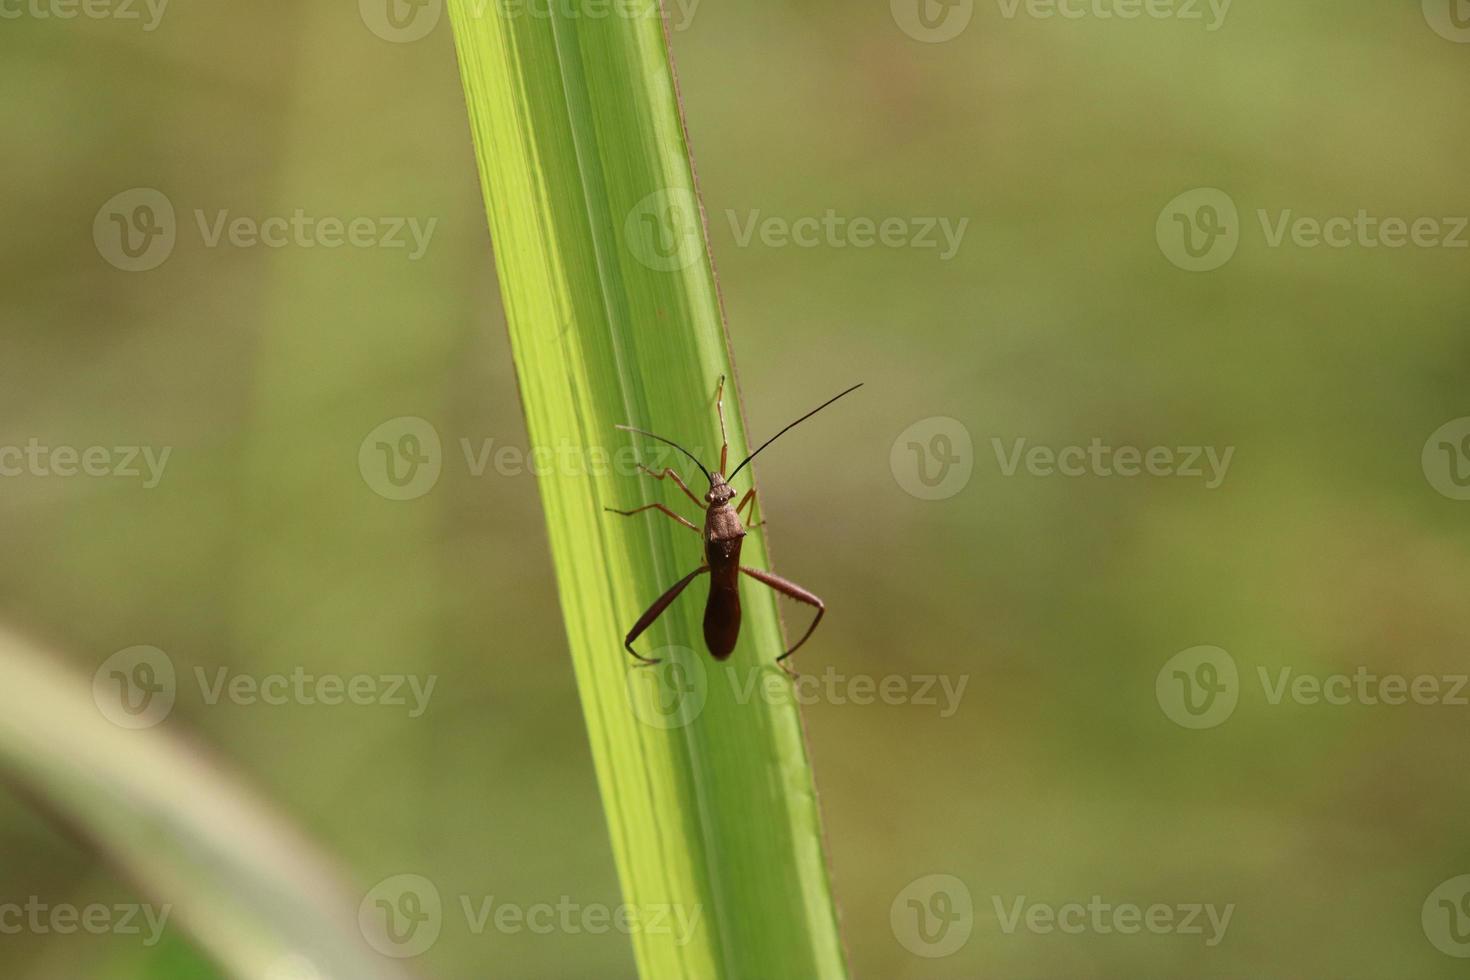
[(724, 439), (749, 496), (638, 510), (669, 471), (794, 591), (656, 610)]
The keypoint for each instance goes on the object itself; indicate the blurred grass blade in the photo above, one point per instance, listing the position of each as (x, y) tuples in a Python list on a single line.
[(614, 317), (247, 889)]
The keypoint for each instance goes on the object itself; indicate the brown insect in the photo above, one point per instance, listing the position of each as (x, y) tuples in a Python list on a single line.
[(722, 538)]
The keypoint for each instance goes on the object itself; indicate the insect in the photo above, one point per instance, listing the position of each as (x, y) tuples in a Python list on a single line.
[(722, 535)]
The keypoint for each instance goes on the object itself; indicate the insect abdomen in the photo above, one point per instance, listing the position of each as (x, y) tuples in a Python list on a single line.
[(722, 621)]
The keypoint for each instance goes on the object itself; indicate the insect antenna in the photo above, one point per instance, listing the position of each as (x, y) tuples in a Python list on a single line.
[(789, 428), (629, 428)]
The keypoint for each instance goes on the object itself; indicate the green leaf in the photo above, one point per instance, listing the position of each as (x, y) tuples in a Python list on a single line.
[(614, 318), (249, 891)]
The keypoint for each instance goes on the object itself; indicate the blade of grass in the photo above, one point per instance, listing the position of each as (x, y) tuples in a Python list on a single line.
[(253, 894), (614, 318)]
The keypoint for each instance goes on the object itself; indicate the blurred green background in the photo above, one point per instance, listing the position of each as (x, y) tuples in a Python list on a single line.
[(1062, 317)]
